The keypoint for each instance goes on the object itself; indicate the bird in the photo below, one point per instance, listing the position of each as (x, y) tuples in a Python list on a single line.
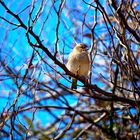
[(79, 62)]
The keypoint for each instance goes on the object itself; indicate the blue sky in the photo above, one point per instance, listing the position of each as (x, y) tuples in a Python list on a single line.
[(15, 41), (16, 50)]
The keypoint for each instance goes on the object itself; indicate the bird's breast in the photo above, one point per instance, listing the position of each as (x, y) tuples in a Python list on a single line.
[(79, 64)]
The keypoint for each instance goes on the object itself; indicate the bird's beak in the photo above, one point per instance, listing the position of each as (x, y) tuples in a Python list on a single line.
[(86, 48)]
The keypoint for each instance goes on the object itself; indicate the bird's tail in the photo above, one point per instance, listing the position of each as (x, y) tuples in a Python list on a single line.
[(74, 83)]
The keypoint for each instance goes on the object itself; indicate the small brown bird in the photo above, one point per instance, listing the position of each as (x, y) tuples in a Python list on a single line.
[(78, 62)]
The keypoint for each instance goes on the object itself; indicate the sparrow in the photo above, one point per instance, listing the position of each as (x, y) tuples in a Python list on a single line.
[(78, 62)]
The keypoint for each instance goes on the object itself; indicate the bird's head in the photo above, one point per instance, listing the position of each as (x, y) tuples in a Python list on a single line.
[(81, 47)]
